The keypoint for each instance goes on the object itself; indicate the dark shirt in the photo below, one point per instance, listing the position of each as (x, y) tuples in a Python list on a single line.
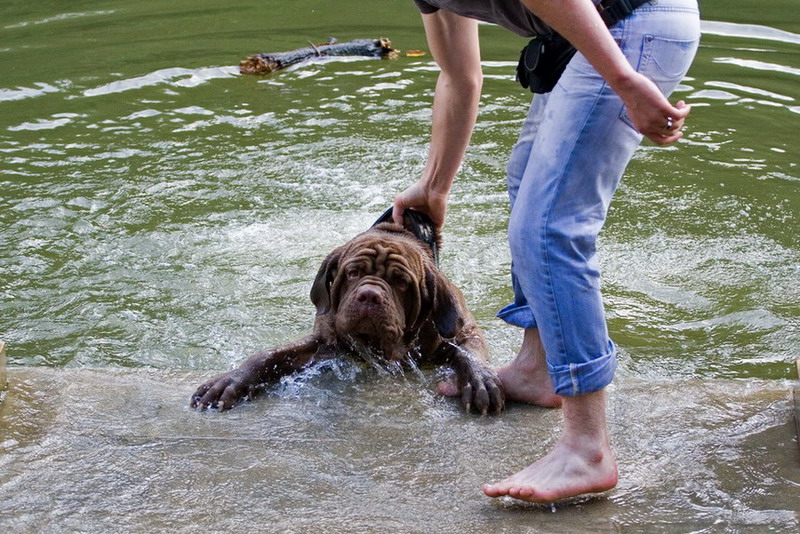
[(510, 14)]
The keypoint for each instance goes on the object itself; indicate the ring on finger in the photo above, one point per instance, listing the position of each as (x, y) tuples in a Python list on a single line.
[(668, 125)]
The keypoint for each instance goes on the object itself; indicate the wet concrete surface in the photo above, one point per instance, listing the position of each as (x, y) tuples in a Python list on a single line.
[(103, 450), (3, 380)]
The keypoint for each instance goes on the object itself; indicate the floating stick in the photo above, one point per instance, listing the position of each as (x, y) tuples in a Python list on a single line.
[(270, 62)]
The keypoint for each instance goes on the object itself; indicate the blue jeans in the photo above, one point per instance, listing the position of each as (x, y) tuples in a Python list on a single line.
[(571, 153)]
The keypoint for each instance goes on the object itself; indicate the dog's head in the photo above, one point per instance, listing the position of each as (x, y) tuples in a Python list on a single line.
[(379, 289)]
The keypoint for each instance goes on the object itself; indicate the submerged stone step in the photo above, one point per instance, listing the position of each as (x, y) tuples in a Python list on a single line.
[(119, 450), (3, 379), (796, 396)]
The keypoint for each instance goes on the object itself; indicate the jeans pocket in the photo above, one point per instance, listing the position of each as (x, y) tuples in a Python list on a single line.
[(665, 62)]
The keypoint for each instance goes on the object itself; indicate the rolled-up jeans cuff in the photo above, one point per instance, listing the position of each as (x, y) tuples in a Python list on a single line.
[(575, 379), (517, 315)]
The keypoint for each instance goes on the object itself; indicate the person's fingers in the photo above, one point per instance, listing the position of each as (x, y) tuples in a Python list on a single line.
[(677, 116), (680, 117), (398, 210), (669, 129), (683, 109), (665, 137)]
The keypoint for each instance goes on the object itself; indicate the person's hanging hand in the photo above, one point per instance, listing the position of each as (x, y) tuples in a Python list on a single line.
[(651, 113)]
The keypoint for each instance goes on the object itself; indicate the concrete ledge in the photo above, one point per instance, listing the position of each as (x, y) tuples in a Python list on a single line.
[(108, 450)]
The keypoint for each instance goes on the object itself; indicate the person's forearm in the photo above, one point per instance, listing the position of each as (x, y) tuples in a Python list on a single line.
[(453, 41), (579, 22), (455, 110)]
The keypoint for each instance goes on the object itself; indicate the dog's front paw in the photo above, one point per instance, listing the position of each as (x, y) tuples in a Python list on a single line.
[(482, 392), (224, 391)]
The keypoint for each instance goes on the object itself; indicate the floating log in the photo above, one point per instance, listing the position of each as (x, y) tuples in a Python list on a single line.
[(270, 62)]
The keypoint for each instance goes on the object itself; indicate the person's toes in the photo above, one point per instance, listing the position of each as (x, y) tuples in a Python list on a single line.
[(448, 388)]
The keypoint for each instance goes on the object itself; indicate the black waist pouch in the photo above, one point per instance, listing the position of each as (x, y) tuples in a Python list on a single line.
[(542, 62)]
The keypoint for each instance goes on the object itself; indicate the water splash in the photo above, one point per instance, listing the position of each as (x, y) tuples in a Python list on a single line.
[(388, 368)]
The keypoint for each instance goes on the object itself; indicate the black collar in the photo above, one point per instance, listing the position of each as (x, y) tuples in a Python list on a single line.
[(418, 224)]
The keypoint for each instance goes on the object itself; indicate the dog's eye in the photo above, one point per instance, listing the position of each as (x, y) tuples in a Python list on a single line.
[(400, 282), (353, 274)]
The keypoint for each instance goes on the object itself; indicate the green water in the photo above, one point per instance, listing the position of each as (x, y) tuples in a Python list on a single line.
[(160, 210), (162, 214)]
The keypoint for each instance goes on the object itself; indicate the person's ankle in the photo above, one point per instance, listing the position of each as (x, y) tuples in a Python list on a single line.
[(528, 386)]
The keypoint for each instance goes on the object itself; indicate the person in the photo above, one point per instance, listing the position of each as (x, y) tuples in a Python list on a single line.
[(570, 156)]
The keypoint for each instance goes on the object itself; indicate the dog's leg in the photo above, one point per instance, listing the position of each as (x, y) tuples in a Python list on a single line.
[(224, 391), (478, 385)]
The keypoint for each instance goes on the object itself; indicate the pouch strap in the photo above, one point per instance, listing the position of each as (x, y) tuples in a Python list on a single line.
[(613, 11)]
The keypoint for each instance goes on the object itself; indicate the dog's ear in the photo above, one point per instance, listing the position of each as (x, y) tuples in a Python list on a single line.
[(321, 289), (444, 308)]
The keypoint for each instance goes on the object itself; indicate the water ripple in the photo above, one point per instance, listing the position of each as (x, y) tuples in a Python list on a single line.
[(757, 65), (176, 76), (60, 17), (21, 93), (748, 31), (56, 121)]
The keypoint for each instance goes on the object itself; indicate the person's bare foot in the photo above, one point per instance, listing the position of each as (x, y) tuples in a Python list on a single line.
[(526, 379), (581, 462), (564, 473)]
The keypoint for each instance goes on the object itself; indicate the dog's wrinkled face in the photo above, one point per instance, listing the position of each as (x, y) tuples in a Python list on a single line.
[(376, 291)]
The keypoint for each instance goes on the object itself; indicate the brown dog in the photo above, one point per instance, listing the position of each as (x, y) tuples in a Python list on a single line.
[(381, 292)]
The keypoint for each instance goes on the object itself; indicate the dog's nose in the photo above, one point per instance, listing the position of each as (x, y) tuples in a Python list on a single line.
[(369, 296)]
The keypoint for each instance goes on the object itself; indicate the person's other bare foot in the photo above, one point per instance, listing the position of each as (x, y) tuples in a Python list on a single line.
[(581, 462), (526, 379)]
